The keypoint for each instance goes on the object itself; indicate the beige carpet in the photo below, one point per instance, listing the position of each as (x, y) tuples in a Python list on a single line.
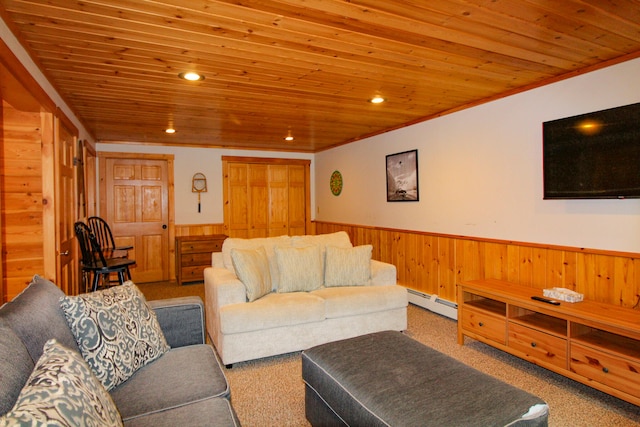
[(270, 392)]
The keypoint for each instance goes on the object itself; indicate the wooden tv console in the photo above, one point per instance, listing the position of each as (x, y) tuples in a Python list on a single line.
[(594, 343)]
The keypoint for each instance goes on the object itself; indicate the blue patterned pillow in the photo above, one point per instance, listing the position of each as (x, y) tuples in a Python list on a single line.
[(116, 331), (62, 391)]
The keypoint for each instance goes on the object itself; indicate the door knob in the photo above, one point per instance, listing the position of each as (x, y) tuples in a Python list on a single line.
[(164, 226)]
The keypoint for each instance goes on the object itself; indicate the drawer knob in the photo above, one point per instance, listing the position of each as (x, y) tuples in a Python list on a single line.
[(480, 324), (533, 344), (605, 370)]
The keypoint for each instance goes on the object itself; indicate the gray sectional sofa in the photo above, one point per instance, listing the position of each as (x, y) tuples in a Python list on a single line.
[(184, 386)]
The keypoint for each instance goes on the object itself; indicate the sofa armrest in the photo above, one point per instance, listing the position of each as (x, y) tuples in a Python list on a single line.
[(224, 287), (221, 287), (383, 274), (181, 320)]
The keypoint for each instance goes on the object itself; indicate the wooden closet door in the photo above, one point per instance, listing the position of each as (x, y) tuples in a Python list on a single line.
[(265, 197), (279, 200), (298, 199)]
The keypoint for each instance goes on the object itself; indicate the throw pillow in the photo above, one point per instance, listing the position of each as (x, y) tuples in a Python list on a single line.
[(252, 268), (62, 391), (348, 266), (116, 331), (300, 269)]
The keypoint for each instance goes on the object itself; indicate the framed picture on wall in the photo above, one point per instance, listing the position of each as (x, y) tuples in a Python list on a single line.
[(402, 177)]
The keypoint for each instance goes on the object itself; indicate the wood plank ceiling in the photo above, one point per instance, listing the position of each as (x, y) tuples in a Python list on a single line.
[(308, 66)]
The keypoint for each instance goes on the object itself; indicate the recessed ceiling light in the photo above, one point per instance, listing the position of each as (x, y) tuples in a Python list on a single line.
[(289, 137), (192, 76), (170, 130), (377, 100)]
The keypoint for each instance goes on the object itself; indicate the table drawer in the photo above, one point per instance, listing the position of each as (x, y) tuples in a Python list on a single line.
[(201, 246), (203, 258), (192, 274), (617, 372), (484, 324), (538, 346)]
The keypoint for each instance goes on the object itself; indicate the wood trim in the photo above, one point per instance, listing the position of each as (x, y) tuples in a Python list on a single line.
[(434, 263), (266, 160), (22, 75)]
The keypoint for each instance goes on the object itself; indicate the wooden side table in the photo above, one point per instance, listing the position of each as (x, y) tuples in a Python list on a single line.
[(193, 255)]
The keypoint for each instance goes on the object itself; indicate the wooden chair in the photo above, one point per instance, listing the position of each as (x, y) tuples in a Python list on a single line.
[(105, 239), (94, 262)]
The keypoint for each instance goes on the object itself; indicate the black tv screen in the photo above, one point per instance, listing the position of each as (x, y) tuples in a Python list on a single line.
[(593, 156)]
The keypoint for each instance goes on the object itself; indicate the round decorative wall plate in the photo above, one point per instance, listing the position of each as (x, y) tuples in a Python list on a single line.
[(335, 183)]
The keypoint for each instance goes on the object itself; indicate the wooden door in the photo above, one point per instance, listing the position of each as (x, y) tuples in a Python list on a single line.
[(236, 196), (67, 267), (134, 199), (278, 200), (298, 198), (265, 197), (258, 207)]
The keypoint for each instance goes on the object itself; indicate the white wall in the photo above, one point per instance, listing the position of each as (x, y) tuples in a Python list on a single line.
[(481, 171), (187, 162)]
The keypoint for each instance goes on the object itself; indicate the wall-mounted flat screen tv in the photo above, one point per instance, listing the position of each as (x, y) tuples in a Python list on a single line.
[(593, 156)]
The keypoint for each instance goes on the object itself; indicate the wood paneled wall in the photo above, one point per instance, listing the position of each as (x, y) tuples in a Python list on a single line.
[(433, 263), (21, 197)]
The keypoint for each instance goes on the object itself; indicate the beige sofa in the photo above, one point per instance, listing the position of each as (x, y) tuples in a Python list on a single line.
[(298, 292)]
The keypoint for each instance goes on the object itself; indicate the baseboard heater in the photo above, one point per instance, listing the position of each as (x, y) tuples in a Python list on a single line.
[(433, 303)]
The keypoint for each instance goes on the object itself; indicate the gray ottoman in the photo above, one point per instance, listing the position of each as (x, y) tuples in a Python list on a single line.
[(389, 379)]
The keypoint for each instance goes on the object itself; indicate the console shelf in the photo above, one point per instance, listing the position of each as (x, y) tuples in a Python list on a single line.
[(594, 343)]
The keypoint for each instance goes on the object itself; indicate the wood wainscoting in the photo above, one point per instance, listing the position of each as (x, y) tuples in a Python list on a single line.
[(434, 263)]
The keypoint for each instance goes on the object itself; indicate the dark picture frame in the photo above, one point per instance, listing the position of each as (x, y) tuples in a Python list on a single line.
[(402, 177)]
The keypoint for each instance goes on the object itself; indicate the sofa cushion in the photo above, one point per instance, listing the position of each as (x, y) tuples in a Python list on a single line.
[(355, 300), (252, 268), (181, 376), (338, 239), (300, 269), (116, 331), (62, 391), (269, 244), (16, 366), (348, 266), (272, 311), (35, 316), (217, 412)]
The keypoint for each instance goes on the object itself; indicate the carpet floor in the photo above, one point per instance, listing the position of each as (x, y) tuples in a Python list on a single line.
[(270, 391)]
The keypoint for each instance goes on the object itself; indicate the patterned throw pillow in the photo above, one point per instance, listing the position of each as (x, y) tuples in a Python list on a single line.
[(348, 266), (252, 268), (300, 269), (116, 331), (62, 391)]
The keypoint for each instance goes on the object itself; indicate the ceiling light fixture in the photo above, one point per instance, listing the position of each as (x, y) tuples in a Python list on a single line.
[(170, 130), (377, 100), (192, 76), (289, 137)]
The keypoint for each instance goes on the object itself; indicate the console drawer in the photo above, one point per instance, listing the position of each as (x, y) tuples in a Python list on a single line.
[(538, 346), (484, 324), (613, 371)]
